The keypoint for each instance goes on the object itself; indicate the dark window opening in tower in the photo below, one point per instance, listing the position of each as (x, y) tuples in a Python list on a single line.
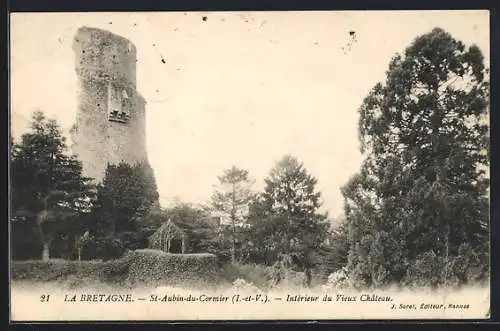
[(119, 105)]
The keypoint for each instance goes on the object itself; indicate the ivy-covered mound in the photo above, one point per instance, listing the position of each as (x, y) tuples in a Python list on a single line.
[(156, 268), (138, 268)]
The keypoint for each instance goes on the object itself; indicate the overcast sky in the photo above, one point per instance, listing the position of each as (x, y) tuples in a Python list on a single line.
[(237, 88)]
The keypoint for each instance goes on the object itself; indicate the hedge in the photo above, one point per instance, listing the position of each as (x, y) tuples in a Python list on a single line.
[(62, 270), (157, 268), (258, 275), (140, 267)]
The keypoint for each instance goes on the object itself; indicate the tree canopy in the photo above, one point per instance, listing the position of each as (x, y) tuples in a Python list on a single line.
[(423, 187), (231, 200), (48, 189), (285, 217), (126, 194)]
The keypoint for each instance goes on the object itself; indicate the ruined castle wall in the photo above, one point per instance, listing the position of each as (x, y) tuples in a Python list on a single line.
[(103, 60), (104, 53)]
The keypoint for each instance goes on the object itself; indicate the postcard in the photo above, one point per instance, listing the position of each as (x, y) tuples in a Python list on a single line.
[(298, 165)]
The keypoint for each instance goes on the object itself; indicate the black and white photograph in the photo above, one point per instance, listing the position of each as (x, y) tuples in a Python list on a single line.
[(267, 165)]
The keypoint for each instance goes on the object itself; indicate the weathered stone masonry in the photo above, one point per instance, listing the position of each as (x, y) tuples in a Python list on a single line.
[(110, 121)]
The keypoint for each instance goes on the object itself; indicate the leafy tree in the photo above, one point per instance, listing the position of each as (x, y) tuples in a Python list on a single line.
[(125, 198), (231, 201), (48, 190), (423, 185), (285, 218), (199, 226), (105, 248), (333, 256), (126, 194)]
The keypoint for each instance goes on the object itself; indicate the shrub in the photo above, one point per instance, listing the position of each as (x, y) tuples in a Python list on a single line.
[(157, 268), (432, 270), (256, 274), (426, 270), (243, 287), (25, 241), (42, 270), (83, 272), (102, 248), (131, 240), (339, 279), (376, 262)]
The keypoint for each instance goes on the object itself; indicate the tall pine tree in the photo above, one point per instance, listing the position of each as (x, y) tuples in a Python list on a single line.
[(126, 195), (422, 189), (285, 218), (48, 190), (231, 200)]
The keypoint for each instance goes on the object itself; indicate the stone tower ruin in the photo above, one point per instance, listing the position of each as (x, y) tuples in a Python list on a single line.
[(110, 120)]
